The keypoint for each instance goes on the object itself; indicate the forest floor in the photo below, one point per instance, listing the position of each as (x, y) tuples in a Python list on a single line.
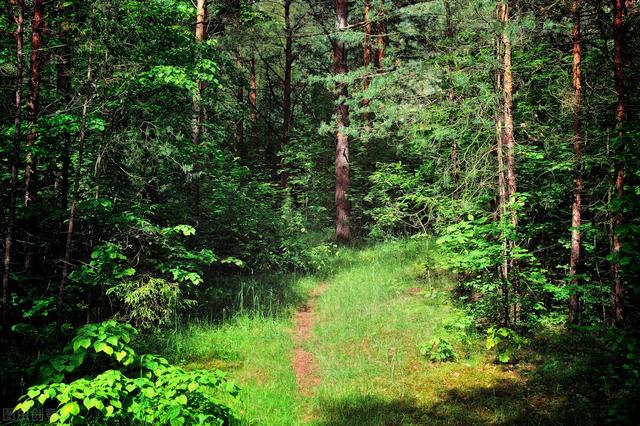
[(344, 349)]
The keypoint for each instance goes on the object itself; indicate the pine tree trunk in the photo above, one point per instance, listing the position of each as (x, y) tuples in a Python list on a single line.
[(15, 152), (381, 41), (507, 109), (72, 212), (287, 113), (616, 245), (574, 260), (63, 85), (366, 61), (33, 103), (197, 115), (343, 208), (33, 111), (502, 173), (253, 101)]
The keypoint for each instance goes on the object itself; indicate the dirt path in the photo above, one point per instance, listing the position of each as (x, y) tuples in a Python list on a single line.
[(304, 364)]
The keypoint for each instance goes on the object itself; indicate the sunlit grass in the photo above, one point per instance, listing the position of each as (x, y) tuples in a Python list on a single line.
[(379, 306)]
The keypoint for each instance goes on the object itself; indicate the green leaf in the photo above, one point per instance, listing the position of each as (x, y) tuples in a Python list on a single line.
[(81, 343), (71, 408), (182, 399)]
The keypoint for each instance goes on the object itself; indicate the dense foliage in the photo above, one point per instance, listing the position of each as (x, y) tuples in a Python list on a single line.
[(151, 149)]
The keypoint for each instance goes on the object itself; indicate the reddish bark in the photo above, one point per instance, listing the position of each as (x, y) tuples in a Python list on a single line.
[(616, 244), (197, 116), (343, 208), (366, 60), (574, 259), (37, 65)]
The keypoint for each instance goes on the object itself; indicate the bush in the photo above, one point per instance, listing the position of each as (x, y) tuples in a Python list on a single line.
[(139, 389)]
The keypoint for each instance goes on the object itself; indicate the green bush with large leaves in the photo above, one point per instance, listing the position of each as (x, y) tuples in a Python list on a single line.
[(99, 378)]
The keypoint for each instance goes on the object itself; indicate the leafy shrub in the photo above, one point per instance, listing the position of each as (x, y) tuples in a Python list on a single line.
[(139, 389), (506, 342), (438, 350), (150, 302)]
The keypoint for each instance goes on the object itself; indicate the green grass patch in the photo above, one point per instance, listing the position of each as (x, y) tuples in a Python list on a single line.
[(376, 326)]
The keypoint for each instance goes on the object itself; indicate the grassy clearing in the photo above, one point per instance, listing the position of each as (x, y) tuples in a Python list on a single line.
[(379, 306)]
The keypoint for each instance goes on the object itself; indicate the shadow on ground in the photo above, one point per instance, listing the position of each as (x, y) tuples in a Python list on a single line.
[(558, 383)]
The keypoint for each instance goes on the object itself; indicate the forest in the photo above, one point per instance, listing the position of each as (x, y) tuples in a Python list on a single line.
[(312, 212)]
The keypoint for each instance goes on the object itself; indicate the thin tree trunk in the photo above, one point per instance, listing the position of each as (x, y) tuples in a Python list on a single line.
[(449, 33), (287, 113), (366, 60), (253, 101), (574, 259), (15, 153), (37, 62), (507, 109), (502, 180), (616, 245), (343, 208), (381, 41), (197, 115), (72, 212), (33, 111), (63, 84)]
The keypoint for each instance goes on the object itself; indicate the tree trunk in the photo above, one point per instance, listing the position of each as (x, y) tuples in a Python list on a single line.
[(63, 85), (72, 212), (574, 259), (381, 41), (366, 61), (502, 179), (616, 245), (287, 113), (197, 115), (507, 109), (15, 153), (253, 101), (37, 62), (343, 208)]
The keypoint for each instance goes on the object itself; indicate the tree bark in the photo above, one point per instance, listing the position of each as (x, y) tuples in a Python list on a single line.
[(507, 108), (381, 40), (366, 61), (574, 259), (343, 208), (287, 113), (72, 212), (36, 62), (253, 101), (502, 173), (15, 153), (197, 115), (63, 85), (616, 245)]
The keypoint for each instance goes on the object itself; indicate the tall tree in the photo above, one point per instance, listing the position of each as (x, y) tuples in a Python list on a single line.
[(574, 259), (343, 207), (287, 109), (63, 85), (33, 103), (197, 115), (366, 58), (507, 107), (616, 245), (15, 153), (66, 266)]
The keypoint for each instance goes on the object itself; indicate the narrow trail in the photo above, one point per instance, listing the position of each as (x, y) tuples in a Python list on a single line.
[(305, 366)]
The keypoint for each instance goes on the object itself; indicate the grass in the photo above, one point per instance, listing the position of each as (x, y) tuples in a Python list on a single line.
[(379, 306)]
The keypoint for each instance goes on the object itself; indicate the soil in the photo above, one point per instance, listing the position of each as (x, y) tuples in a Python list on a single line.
[(304, 364)]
